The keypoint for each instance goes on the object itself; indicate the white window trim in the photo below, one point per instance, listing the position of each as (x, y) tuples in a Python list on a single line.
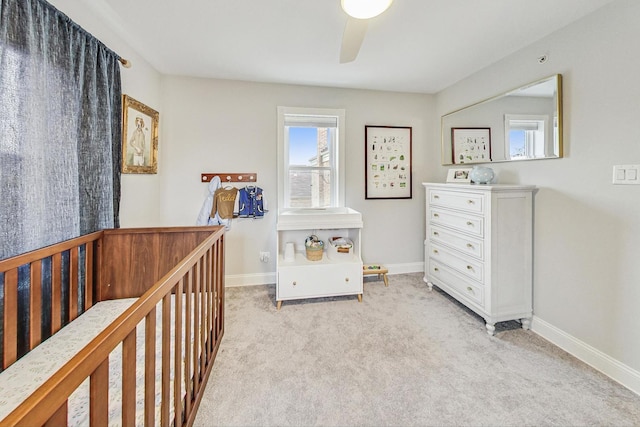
[(533, 149), (283, 151)]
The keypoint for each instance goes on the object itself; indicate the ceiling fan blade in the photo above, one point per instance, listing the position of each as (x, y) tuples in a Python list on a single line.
[(352, 38)]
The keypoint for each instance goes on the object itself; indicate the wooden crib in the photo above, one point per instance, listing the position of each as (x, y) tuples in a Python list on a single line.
[(156, 273)]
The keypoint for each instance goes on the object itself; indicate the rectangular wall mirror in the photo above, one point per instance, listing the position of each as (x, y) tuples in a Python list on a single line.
[(522, 124)]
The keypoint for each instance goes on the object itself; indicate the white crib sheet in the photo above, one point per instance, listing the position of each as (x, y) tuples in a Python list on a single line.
[(23, 377), (79, 400)]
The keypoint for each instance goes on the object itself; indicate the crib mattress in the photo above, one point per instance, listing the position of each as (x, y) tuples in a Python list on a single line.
[(23, 377)]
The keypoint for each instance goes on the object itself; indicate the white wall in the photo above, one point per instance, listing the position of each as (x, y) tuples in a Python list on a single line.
[(587, 255), (229, 126), (226, 126), (586, 269)]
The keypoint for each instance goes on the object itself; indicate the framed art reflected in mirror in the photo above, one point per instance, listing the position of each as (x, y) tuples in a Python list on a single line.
[(471, 145)]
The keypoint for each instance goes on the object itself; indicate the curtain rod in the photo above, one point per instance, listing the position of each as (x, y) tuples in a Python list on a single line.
[(125, 62)]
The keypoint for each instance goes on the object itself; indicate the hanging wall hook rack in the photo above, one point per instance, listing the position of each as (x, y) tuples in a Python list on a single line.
[(230, 177)]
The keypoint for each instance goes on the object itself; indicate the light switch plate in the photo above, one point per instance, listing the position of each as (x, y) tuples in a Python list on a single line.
[(626, 174)]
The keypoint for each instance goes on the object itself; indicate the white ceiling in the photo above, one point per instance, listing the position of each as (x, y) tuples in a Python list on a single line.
[(418, 46)]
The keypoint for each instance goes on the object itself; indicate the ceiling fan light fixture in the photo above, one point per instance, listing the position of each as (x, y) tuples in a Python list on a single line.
[(365, 9)]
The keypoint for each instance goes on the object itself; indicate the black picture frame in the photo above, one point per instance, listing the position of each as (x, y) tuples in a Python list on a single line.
[(388, 162)]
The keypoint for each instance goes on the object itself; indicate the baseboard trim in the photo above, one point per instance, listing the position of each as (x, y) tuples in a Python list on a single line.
[(234, 280), (408, 267), (616, 370)]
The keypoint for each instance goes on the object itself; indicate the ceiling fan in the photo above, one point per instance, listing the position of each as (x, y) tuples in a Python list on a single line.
[(359, 11)]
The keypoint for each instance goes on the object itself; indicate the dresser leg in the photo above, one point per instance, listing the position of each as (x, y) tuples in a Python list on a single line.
[(359, 297), (526, 323), (491, 329), (278, 305), (430, 285)]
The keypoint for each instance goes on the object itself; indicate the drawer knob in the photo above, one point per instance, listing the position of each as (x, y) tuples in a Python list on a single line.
[(435, 233), (295, 283), (435, 251), (346, 279), (470, 289), (469, 267), (435, 215), (436, 197), (469, 223), (435, 269), (469, 245), (471, 202)]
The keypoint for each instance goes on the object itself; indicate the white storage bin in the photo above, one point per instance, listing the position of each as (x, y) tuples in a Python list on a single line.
[(340, 248)]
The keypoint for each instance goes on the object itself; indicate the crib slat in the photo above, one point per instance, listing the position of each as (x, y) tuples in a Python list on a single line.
[(166, 353), (88, 283), (216, 287), (150, 369), (214, 327), (73, 284), (59, 418), (209, 255), (196, 325), (56, 292), (203, 319), (220, 287), (207, 280), (177, 383), (99, 395), (35, 305), (187, 342), (214, 290), (129, 379), (10, 332)]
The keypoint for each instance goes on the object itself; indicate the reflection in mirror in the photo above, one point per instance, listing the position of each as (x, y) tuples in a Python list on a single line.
[(523, 124)]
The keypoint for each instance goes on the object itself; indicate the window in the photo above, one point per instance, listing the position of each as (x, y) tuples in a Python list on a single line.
[(309, 157), (525, 136)]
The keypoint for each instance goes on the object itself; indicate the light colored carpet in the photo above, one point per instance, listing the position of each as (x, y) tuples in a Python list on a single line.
[(404, 356)]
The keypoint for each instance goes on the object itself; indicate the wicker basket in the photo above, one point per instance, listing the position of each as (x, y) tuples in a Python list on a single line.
[(314, 248), (314, 253)]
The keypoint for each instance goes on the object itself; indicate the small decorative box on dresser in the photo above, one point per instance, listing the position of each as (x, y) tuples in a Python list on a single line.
[(478, 248)]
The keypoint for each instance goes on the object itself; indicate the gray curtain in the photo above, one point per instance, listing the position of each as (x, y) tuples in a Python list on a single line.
[(60, 129)]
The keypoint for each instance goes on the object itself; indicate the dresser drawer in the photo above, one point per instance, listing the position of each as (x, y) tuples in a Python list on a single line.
[(469, 202), (467, 223), (446, 278), (465, 244), (473, 269)]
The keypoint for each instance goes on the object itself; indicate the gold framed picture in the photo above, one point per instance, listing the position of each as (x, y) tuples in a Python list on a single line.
[(139, 137)]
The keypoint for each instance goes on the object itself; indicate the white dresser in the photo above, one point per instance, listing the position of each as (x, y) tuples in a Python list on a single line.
[(478, 248), (336, 273)]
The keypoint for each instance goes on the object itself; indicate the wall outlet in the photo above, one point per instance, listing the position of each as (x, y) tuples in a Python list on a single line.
[(626, 174), (265, 256)]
